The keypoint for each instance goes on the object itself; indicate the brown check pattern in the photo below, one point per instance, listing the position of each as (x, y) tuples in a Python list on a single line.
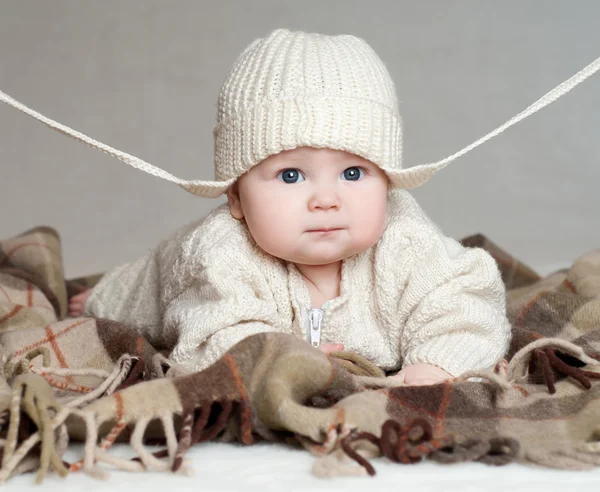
[(100, 381)]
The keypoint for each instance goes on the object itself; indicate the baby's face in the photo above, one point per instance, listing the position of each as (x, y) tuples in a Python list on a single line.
[(312, 206)]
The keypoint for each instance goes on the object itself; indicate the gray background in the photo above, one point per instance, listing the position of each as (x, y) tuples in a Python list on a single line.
[(143, 76)]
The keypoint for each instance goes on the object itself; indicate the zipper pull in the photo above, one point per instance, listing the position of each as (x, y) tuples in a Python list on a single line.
[(315, 317)]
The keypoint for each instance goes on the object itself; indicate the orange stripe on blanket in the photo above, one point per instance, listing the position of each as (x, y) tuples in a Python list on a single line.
[(239, 384), (77, 388), (569, 285), (139, 345), (246, 430), (109, 440), (527, 308), (41, 342), (59, 355), (340, 419), (13, 313), (29, 294), (444, 404)]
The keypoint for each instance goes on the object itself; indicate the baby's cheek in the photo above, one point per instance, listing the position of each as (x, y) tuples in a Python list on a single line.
[(272, 239), (280, 236), (368, 229)]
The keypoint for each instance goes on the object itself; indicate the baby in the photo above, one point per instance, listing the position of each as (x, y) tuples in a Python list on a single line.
[(319, 237)]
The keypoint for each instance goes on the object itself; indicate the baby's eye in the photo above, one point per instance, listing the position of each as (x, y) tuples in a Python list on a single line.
[(353, 173), (290, 176)]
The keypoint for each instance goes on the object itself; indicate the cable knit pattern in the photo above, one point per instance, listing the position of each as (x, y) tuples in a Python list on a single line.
[(294, 88), (415, 296)]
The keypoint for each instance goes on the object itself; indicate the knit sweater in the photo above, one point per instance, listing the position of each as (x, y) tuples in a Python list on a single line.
[(416, 296)]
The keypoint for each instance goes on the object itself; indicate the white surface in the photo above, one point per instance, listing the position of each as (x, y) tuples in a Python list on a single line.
[(266, 467)]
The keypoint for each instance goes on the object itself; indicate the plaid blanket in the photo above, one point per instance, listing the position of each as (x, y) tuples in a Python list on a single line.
[(99, 381)]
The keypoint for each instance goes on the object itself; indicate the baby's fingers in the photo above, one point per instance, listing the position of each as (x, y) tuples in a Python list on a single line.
[(79, 298), (328, 348), (75, 309)]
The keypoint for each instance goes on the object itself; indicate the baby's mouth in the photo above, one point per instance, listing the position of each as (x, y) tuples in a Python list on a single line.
[(325, 230)]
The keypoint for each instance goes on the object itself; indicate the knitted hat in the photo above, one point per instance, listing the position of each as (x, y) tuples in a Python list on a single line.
[(294, 89)]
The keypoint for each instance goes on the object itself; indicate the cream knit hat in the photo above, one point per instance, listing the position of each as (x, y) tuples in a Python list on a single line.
[(295, 89)]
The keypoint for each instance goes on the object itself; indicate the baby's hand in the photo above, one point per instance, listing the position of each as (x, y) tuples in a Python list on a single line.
[(77, 303), (421, 375), (328, 348)]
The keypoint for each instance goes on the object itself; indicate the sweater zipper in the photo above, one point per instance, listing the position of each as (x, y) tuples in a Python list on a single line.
[(315, 319)]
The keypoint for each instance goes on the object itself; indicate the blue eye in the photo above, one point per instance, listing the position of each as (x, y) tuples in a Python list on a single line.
[(290, 176), (353, 173)]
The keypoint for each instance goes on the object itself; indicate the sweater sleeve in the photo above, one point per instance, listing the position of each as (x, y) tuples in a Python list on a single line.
[(455, 309), (129, 294), (223, 306)]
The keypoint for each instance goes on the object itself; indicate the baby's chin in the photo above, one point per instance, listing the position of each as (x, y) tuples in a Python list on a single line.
[(320, 258)]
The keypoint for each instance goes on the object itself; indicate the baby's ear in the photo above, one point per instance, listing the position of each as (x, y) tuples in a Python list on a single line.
[(235, 204)]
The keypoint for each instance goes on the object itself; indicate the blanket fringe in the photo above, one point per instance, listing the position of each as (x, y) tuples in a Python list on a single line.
[(401, 444), (203, 423), (544, 352), (414, 442), (32, 396), (32, 399)]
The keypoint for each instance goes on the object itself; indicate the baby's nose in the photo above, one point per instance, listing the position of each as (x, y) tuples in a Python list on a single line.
[(324, 200)]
